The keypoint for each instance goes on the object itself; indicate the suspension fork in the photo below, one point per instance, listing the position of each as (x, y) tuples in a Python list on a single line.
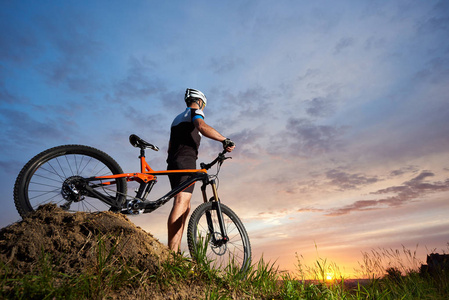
[(215, 204)]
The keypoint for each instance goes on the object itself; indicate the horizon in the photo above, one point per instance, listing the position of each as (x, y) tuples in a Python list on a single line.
[(339, 111)]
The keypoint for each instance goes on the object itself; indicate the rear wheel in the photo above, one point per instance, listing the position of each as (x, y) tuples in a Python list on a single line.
[(207, 243), (57, 176)]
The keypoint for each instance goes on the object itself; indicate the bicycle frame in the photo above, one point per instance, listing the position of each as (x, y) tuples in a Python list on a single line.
[(147, 178)]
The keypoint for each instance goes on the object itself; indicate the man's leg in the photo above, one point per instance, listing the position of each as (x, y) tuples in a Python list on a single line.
[(177, 219)]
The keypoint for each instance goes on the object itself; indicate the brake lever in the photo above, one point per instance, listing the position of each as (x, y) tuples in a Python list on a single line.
[(222, 156), (220, 159)]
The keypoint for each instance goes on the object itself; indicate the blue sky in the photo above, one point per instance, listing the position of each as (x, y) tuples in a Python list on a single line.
[(340, 110)]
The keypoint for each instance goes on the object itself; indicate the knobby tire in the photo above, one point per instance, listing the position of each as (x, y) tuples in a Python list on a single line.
[(41, 180), (236, 253)]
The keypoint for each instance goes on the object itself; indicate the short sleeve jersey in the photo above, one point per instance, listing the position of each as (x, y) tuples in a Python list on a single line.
[(184, 136)]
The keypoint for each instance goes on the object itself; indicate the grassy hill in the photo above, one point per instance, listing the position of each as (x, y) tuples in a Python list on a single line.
[(53, 254)]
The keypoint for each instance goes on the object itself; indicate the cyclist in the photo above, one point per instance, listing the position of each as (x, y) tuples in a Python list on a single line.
[(186, 131)]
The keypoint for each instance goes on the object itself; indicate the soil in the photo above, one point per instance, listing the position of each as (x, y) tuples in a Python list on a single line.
[(73, 242)]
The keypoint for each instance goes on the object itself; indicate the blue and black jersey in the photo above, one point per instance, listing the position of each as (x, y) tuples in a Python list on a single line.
[(184, 136)]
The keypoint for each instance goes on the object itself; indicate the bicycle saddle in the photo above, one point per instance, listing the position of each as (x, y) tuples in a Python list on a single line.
[(140, 143)]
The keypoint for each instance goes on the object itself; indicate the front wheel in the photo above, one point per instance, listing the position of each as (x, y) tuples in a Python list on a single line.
[(207, 243), (54, 176)]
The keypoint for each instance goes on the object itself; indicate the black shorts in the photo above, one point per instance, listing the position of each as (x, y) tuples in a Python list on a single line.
[(181, 163)]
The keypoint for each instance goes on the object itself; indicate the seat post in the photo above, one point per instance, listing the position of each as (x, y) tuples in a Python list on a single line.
[(142, 152)]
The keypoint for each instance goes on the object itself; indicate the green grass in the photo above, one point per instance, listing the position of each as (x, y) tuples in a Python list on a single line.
[(110, 277)]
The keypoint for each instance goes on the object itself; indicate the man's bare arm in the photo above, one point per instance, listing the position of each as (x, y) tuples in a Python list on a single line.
[(208, 131), (211, 133)]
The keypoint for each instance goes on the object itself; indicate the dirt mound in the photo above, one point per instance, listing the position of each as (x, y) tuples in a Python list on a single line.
[(75, 237), (75, 242)]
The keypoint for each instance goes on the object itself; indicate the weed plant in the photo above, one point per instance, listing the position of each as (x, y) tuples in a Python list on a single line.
[(391, 277)]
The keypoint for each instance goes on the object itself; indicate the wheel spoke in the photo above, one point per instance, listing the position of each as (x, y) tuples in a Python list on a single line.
[(219, 253), (57, 176)]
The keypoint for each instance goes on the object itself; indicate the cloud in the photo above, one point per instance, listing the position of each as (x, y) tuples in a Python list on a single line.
[(310, 210), (361, 205), (319, 107), (436, 20), (139, 83), (346, 181), (10, 167), (7, 97), (224, 64), (306, 138), (22, 129), (69, 50), (411, 190), (18, 38), (252, 102), (404, 170), (145, 121), (421, 177), (343, 43), (435, 71), (247, 141)]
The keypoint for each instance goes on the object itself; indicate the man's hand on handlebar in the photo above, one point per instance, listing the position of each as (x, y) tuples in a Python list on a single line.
[(228, 145)]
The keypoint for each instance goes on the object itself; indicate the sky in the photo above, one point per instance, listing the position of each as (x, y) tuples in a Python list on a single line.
[(339, 110)]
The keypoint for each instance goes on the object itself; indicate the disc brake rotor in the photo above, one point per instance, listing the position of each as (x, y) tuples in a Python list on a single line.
[(219, 246), (73, 189)]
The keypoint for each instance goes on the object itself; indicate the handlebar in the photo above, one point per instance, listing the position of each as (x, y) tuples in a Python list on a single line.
[(219, 159)]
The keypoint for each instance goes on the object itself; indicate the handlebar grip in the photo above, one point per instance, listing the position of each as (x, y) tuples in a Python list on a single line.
[(227, 143)]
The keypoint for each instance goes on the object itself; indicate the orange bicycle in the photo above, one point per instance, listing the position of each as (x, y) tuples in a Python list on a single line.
[(82, 178)]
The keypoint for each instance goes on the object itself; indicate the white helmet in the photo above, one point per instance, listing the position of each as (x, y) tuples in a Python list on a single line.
[(192, 94)]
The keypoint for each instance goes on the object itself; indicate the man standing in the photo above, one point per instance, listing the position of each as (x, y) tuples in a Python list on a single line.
[(186, 131)]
